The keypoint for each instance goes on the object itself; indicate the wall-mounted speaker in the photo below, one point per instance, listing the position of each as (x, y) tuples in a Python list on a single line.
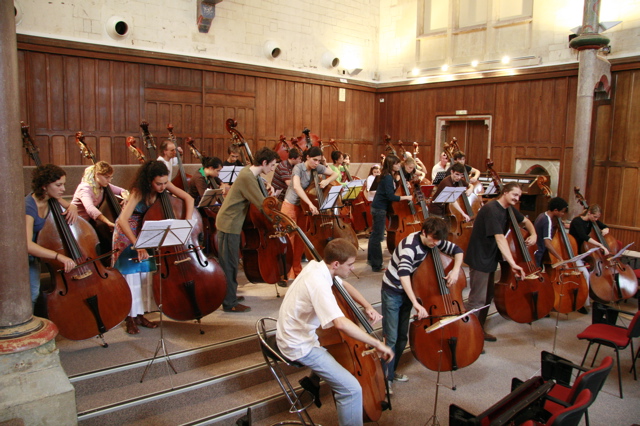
[(272, 50), (329, 60), (117, 27)]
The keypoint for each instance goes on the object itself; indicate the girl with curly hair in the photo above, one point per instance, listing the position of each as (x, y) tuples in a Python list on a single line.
[(47, 183), (152, 179)]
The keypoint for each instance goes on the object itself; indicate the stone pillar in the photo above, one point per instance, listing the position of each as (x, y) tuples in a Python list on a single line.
[(592, 70), (33, 386)]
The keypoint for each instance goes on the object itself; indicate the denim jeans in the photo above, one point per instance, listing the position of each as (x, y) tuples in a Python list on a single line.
[(34, 278), (374, 252), (347, 390), (396, 313)]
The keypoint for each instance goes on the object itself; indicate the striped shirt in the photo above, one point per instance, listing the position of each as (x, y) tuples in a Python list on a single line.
[(407, 257)]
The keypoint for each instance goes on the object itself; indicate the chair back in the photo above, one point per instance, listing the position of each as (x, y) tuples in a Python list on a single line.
[(572, 415), (634, 327), (265, 329), (593, 380)]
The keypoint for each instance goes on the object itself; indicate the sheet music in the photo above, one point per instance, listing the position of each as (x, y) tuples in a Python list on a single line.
[(209, 197), (449, 194), (352, 189), (491, 189), (229, 174), (621, 252), (331, 198), (153, 231)]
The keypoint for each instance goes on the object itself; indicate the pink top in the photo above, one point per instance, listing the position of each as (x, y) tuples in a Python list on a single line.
[(88, 202)]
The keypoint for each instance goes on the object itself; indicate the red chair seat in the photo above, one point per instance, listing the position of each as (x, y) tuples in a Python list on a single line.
[(616, 335)]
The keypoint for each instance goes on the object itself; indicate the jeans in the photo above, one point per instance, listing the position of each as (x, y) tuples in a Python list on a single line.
[(347, 390), (374, 251), (228, 256), (34, 278), (396, 313)]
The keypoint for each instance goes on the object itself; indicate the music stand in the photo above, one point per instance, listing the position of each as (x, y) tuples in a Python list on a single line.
[(352, 190), (156, 234), (209, 197), (563, 262), (229, 174), (439, 177), (433, 420), (331, 198), (491, 189), (449, 194)]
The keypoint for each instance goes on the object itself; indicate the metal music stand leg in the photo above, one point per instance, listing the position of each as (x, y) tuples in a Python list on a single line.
[(433, 420), (161, 344)]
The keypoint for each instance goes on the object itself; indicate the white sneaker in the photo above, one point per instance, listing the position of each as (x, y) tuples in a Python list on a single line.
[(389, 385), (401, 378)]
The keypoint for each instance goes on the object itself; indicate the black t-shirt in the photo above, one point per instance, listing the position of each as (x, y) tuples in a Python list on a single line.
[(580, 229), (466, 166), (492, 219)]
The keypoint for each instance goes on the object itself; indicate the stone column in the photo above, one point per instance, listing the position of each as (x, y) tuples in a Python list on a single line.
[(33, 386), (593, 69)]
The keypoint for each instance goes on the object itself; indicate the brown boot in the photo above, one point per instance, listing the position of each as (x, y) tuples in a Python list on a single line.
[(131, 326)]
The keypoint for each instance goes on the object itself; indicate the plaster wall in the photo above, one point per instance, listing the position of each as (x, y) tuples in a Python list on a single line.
[(380, 36)]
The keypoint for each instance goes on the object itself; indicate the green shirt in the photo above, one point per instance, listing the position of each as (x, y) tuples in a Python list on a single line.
[(244, 190)]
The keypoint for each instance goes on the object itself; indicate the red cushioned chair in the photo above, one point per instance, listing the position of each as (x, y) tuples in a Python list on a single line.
[(564, 394), (615, 337), (568, 416)]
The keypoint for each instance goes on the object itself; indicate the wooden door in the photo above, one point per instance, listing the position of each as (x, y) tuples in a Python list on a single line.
[(472, 138)]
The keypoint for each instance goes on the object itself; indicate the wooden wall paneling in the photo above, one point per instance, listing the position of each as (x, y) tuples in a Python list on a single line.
[(541, 99), (88, 101), (328, 126), (58, 147), (557, 112), (71, 93), (287, 128), (609, 200), (627, 199), (102, 89), (626, 115), (314, 102), (280, 111), (132, 98), (602, 144), (271, 100), (54, 101), (103, 147)]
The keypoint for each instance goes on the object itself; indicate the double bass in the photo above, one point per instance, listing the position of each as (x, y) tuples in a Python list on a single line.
[(405, 218), (326, 225), (149, 140), (353, 355), (90, 299), (137, 152), (282, 148), (266, 259), (193, 285), (610, 280), (456, 345), (209, 213), (521, 299), (182, 179), (110, 205), (569, 284), (306, 140)]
